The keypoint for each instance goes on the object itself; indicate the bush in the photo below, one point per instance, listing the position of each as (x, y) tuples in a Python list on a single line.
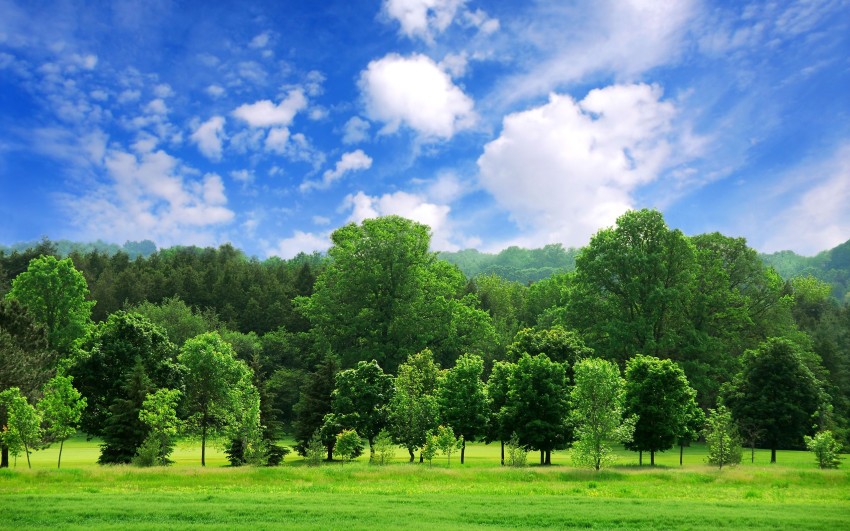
[(347, 445), (825, 448), (384, 448), (276, 454), (314, 452), (150, 453), (517, 454)]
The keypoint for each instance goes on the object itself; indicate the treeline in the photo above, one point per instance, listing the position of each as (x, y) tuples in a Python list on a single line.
[(63, 248), (383, 335), (831, 266), (514, 263)]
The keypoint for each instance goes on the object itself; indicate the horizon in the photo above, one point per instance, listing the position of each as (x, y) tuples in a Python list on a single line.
[(496, 124)]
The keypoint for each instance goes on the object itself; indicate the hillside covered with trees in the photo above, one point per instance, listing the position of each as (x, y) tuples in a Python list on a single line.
[(393, 342)]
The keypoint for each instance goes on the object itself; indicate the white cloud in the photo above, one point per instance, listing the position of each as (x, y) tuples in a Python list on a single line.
[(128, 96), (410, 206), (264, 113), (566, 168), (356, 130), (300, 242), (209, 136), (163, 90), (277, 140), (243, 176), (321, 220), (422, 18), (152, 195), (260, 41), (349, 162), (455, 64), (157, 106), (818, 217), (414, 91), (216, 91)]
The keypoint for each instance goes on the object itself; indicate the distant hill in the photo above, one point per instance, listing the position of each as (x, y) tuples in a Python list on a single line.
[(144, 248), (832, 266), (514, 263)]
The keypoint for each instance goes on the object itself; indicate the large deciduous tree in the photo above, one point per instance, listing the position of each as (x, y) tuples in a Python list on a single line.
[(498, 386), (462, 397), (385, 296), (658, 394), (776, 392), (632, 287), (213, 377), (55, 294), (414, 410)]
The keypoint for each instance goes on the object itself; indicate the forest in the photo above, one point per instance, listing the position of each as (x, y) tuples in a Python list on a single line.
[(645, 337)]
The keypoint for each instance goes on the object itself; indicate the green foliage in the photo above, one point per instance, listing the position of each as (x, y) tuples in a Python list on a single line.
[(124, 432), (429, 450), (597, 403), (498, 386), (159, 413), (314, 450), (776, 393), (55, 294), (721, 436), (537, 403), (177, 319), (414, 410), (560, 345), (517, 454), (61, 408), (383, 448), (27, 361), (242, 426), (825, 448), (360, 399), (445, 441), (348, 445), (462, 397), (659, 396), (313, 405), (23, 423), (515, 264)]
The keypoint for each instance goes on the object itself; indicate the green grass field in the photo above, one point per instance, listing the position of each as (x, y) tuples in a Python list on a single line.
[(793, 494)]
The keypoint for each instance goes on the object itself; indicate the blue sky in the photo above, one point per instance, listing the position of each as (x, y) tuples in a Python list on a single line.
[(269, 124)]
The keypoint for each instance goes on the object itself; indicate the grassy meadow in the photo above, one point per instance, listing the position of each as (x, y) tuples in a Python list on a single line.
[(793, 494)]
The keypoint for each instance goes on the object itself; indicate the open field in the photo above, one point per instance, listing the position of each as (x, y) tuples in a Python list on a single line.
[(793, 494)]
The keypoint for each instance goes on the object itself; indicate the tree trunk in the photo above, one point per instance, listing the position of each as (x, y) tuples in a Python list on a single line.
[(503, 453), (4, 459), (421, 458), (61, 444), (753, 453), (412, 456), (652, 458), (27, 450), (773, 455), (204, 442), (462, 450), (371, 450), (681, 453), (542, 457), (548, 457), (640, 457)]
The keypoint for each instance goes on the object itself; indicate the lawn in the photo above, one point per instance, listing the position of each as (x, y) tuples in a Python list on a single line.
[(792, 494)]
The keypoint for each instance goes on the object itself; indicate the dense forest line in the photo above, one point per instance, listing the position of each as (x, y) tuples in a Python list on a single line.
[(382, 331)]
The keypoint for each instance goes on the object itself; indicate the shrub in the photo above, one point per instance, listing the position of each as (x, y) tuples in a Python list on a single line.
[(315, 450), (825, 448), (517, 454)]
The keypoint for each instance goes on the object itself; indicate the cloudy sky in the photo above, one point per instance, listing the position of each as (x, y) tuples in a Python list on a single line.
[(499, 122)]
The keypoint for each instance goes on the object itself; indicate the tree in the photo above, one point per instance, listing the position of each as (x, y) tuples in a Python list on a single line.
[(775, 392), (124, 432), (596, 413), (26, 361), (313, 405), (385, 296), (179, 321), (446, 441), (384, 448), (348, 444), (55, 294), (360, 399), (658, 394), (721, 436), (462, 397), (826, 449), (314, 450), (559, 344), (694, 422), (23, 427), (213, 374), (413, 410), (243, 427), (632, 287), (61, 408), (498, 385), (537, 404), (159, 413)]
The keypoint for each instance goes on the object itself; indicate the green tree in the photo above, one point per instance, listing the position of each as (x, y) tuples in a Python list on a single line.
[(776, 392), (632, 287), (313, 405), (26, 361), (314, 450), (557, 343), (446, 441), (721, 436), (385, 296), (384, 448), (360, 400), (658, 394), (348, 444), (55, 294), (413, 409), (23, 424), (61, 408), (498, 386), (517, 453), (243, 427), (826, 449), (597, 405), (159, 413), (462, 397), (213, 374), (694, 422), (537, 404), (124, 432), (178, 319)]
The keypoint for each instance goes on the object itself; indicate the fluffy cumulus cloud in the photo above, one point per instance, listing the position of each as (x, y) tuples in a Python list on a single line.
[(264, 113), (424, 19), (300, 242), (410, 206), (349, 162), (152, 196), (414, 91), (209, 137), (356, 130), (566, 168)]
